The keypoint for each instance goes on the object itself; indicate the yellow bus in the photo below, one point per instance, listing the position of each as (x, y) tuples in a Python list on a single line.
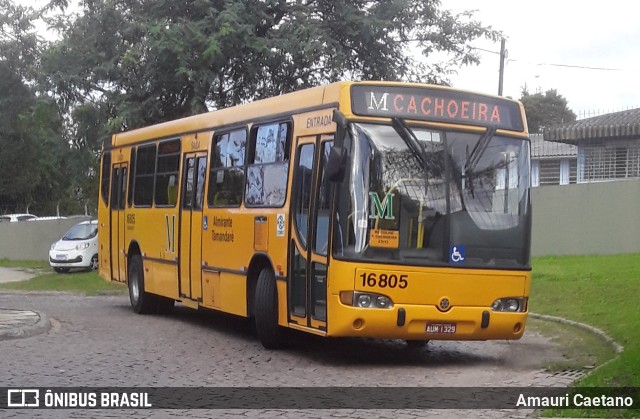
[(363, 209)]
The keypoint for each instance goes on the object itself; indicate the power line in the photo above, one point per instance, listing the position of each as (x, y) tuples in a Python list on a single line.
[(486, 50), (551, 64), (569, 66)]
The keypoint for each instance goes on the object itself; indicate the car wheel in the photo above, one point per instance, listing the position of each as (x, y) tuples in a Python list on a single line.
[(61, 270), (93, 265)]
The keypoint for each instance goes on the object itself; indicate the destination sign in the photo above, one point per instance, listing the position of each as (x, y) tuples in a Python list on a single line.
[(438, 105)]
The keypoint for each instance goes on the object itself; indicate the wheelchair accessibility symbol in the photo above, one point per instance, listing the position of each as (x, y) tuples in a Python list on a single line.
[(457, 254)]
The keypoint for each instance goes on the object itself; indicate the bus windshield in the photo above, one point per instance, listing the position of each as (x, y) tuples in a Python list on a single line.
[(418, 196)]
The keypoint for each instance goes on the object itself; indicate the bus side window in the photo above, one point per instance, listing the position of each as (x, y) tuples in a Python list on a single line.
[(167, 169), (268, 169), (132, 171), (226, 170), (145, 172)]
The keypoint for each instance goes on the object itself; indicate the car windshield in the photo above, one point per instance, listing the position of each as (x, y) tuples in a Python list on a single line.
[(426, 197), (81, 232)]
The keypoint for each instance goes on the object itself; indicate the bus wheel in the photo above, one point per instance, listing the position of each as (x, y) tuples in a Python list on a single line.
[(266, 310), (416, 344), (141, 301)]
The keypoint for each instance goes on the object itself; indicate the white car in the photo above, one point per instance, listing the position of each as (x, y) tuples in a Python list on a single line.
[(12, 218), (78, 248)]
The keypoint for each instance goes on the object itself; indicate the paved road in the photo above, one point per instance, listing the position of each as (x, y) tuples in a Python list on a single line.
[(99, 341)]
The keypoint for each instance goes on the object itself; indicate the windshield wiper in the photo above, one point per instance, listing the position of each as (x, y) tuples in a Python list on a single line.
[(410, 139), (478, 151), (474, 158)]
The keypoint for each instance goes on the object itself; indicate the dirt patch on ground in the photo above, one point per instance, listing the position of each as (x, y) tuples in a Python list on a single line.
[(16, 274)]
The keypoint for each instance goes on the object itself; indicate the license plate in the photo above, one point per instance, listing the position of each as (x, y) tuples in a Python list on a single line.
[(441, 328), (61, 257)]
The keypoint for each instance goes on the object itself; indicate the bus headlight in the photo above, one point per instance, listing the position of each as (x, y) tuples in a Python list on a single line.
[(365, 299), (510, 304)]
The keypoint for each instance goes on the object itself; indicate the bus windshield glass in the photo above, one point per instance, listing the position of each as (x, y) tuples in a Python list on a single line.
[(418, 196)]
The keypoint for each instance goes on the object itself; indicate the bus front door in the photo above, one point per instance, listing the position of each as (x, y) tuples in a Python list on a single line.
[(308, 252), (117, 222), (190, 250)]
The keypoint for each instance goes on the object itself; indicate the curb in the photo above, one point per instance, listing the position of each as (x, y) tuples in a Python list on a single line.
[(602, 335), (41, 325)]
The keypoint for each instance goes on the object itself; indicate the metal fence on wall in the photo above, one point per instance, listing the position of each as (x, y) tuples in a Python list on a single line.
[(590, 113), (609, 160)]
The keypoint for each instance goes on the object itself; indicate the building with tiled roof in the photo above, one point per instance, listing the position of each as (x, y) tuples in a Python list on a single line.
[(552, 163), (608, 146)]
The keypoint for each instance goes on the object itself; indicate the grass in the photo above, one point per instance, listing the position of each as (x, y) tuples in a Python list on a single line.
[(26, 264), (601, 291), (88, 283)]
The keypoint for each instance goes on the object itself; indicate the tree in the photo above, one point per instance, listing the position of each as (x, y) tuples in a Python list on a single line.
[(19, 43), (32, 148), (122, 64), (140, 62), (31, 136), (545, 110)]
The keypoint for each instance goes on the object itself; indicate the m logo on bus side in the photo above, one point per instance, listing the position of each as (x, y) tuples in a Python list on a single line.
[(381, 209)]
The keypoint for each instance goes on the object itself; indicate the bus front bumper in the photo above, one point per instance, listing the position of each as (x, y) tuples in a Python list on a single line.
[(414, 322)]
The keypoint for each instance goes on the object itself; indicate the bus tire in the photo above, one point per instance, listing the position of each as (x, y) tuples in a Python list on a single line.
[(266, 310), (416, 344), (141, 301)]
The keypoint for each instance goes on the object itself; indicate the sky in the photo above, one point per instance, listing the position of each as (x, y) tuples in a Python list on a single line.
[(589, 51)]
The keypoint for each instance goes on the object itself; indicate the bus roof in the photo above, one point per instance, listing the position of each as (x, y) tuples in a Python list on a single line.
[(337, 94)]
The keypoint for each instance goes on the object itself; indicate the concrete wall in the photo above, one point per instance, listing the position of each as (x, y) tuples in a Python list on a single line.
[(582, 219), (31, 240), (589, 218)]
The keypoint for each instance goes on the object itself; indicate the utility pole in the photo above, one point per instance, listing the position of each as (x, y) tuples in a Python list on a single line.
[(503, 55)]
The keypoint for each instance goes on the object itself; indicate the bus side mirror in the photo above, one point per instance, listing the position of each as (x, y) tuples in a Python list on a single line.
[(341, 126), (336, 164)]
